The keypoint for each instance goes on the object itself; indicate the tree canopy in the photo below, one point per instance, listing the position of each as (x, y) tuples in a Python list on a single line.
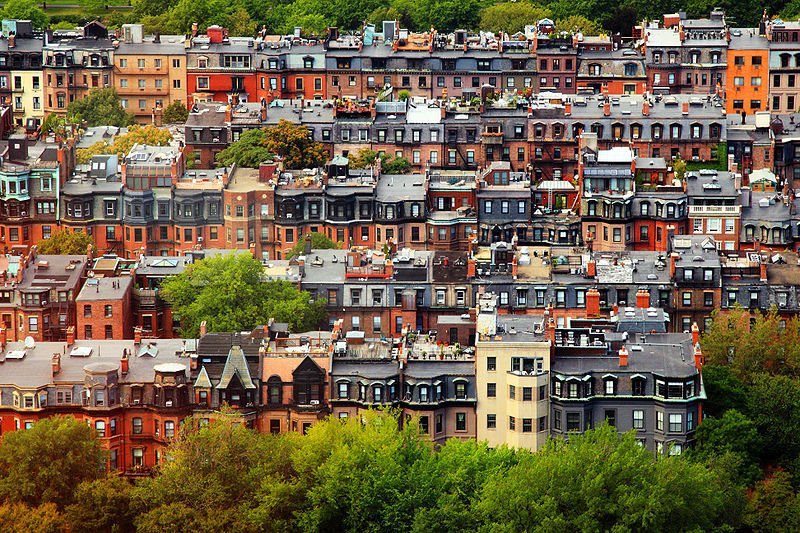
[(227, 291), (101, 107), (287, 140), (46, 463), (318, 242), (176, 113), (65, 242), (26, 10), (149, 135)]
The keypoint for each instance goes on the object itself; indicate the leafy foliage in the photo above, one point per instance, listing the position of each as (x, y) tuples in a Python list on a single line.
[(26, 10), (228, 293), (511, 17), (45, 464), (65, 242), (19, 518), (318, 242), (286, 140), (149, 135), (100, 108), (102, 505), (774, 506), (176, 113)]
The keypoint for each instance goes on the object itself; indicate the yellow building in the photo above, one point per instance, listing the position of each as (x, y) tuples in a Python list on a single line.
[(512, 378), (149, 72), (21, 76), (27, 95)]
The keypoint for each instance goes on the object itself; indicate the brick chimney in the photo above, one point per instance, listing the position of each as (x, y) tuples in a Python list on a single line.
[(591, 268), (607, 109), (592, 302), (567, 108), (470, 267), (123, 362), (698, 357), (762, 267), (672, 258), (56, 363), (695, 334), (685, 109), (228, 113), (514, 267), (646, 107), (389, 270), (307, 249), (137, 335), (203, 328), (3, 336), (642, 299), (623, 356)]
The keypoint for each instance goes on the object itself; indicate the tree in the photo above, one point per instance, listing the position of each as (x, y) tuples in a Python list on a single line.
[(45, 464), (100, 108), (318, 242), (249, 151), (621, 20), (365, 158), (228, 293), (102, 505), (731, 433), (774, 506), (65, 242), (602, 481), (511, 17), (774, 406), (26, 10), (176, 113), (724, 390), (19, 518), (397, 165), (149, 135), (724, 344), (577, 24)]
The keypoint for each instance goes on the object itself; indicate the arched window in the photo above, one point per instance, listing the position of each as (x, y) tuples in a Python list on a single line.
[(631, 69), (275, 390)]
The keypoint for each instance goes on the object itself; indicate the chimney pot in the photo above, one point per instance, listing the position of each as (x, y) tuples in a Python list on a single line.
[(623, 356), (203, 328)]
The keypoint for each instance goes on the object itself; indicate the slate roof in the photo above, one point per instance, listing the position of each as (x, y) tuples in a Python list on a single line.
[(235, 365)]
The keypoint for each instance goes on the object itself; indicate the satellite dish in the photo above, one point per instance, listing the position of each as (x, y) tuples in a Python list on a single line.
[(29, 342)]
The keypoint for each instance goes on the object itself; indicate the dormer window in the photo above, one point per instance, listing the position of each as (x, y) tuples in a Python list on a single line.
[(638, 385), (423, 394), (377, 393), (609, 386), (461, 390)]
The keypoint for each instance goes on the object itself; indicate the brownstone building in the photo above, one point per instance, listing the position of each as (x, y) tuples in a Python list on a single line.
[(105, 309)]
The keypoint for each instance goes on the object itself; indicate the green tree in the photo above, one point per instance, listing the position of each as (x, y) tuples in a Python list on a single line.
[(65, 242), (578, 24), (365, 158), (46, 463), (734, 433), (100, 108), (26, 10), (601, 481), (397, 165), (228, 293), (511, 17), (102, 505), (724, 390), (621, 20), (176, 113), (249, 151), (318, 242), (774, 406), (774, 507)]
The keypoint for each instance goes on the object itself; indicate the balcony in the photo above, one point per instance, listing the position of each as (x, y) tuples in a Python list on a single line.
[(147, 297), (715, 210), (492, 138)]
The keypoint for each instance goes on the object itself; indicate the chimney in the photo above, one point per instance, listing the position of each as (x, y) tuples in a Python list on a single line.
[(672, 258), (228, 113), (389, 270), (568, 108), (194, 29), (3, 337), (592, 302), (514, 268), (698, 357), (70, 335), (623, 356), (607, 109), (642, 299), (12, 41), (763, 271), (695, 334), (308, 244), (89, 252), (470, 267), (614, 310), (203, 329), (646, 107), (123, 363), (591, 268), (685, 109), (56, 363), (137, 335)]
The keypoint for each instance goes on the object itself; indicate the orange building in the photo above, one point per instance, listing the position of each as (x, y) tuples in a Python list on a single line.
[(748, 83)]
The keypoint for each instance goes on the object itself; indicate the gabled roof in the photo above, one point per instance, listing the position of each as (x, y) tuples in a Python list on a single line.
[(235, 365), (202, 381)]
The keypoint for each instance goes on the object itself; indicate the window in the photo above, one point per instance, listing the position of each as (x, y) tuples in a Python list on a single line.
[(610, 386), (557, 420), (527, 425), (491, 421), (512, 423), (491, 390), (675, 422), (573, 421), (137, 426), (611, 417), (491, 363), (169, 429), (461, 421), (512, 392), (638, 419), (461, 390)]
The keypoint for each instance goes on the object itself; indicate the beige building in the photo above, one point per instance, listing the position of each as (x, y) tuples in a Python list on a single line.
[(512, 378), (149, 72)]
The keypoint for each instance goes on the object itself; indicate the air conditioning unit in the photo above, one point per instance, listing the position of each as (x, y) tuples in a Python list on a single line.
[(314, 402), (168, 403), (136, 402)]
